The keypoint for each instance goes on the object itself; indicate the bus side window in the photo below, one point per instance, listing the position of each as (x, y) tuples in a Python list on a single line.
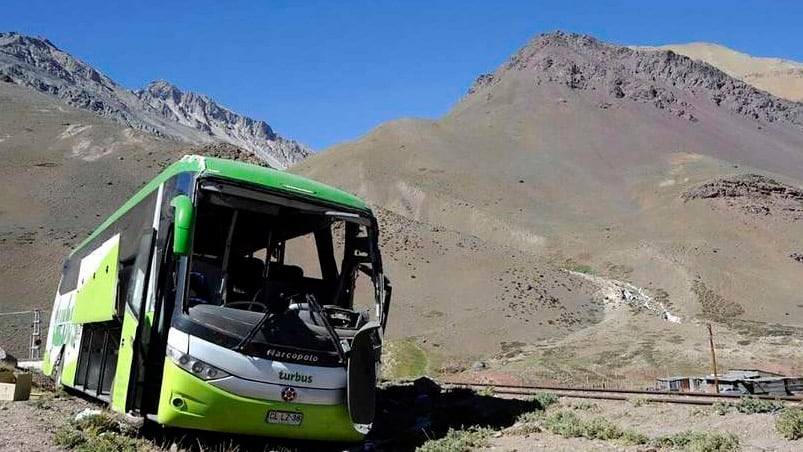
[(132, 276)]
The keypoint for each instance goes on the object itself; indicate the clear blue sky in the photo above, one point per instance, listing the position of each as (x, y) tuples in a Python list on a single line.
[(328, 71)]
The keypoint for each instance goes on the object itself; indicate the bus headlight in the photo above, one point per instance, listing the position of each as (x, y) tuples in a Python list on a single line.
[(195, 366)]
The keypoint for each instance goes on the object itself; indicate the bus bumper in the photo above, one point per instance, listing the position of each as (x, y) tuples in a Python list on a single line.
[(188, 402)]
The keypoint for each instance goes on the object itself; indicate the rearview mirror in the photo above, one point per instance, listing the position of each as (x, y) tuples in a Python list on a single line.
[(182, 224)]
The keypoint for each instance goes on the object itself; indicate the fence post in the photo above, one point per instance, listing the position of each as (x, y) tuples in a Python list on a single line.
[(36, 340)]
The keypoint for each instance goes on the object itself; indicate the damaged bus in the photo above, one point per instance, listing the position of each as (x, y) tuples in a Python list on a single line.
[(228, 297)]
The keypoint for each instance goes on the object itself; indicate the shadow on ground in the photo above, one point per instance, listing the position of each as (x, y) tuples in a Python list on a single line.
[(406, 418)]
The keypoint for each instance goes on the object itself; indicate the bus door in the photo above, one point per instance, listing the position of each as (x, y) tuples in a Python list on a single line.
[(130, 351), (366, 348)]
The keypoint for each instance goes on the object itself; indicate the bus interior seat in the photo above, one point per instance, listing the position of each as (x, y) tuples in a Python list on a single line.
[(245, 275), (204, 280), (283, 281), (199, 289)]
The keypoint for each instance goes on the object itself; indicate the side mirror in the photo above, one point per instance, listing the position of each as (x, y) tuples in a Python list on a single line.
[(182, 224)]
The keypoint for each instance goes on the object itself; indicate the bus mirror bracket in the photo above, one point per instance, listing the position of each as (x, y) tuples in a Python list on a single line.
[(182, 224)]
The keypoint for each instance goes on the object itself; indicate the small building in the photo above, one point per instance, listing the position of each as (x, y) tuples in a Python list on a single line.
[(680, 384), (736, 381)]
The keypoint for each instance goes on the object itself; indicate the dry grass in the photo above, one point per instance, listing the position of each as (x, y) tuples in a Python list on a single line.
[(790, 423), (715, 307), (459, 441)]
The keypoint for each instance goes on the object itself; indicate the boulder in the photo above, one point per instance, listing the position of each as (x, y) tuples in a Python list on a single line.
[(7, 360)]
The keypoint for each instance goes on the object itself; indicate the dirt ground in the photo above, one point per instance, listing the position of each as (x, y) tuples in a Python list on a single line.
[(31, 425), (756, 432), (406, 421)]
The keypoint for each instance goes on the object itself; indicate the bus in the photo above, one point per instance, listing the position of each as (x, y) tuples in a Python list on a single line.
[(228, 297)]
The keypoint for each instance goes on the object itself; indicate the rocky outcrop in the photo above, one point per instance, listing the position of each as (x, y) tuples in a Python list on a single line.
[(660, 78), (753, 186), (753, 194), (161, 109)]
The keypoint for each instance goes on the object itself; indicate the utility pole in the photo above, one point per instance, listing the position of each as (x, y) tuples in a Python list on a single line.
[(713, 356)]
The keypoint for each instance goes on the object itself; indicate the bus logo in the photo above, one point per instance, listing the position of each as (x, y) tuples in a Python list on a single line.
[(288, 394), (295, 377)]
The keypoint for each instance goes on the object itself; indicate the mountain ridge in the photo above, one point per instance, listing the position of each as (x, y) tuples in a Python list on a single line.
[(38, 64), (202, 112), (778, 76), (637, 74)]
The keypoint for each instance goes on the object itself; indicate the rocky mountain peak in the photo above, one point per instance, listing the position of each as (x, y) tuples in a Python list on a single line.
[(39, 52), (160, 109), (162, 88), (24, 41), (665, 79), (202, 113)]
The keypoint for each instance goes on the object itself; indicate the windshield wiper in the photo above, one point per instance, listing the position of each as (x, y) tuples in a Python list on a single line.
[(313, 303), (250, 336)]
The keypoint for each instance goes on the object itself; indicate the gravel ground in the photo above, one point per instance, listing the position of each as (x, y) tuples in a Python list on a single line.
[(31, 425), (756, 432)]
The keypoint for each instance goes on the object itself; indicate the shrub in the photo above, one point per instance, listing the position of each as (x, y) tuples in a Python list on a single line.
[(530, 417), (721, 408), (567, 424), (632, 437), (752, 405), (599, 427), (583, 405), (98, 432), (700, 441), (790, 423), (459, 440), (545, 399), (526, 423), (487, 391), (637, 401)]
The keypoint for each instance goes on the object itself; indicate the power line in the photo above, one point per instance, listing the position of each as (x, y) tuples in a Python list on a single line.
[(22, 312)]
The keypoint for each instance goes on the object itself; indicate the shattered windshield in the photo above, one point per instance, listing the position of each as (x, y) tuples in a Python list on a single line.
[(267, 264)]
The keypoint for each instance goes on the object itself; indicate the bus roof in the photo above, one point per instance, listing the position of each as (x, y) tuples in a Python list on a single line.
[(229, 169)]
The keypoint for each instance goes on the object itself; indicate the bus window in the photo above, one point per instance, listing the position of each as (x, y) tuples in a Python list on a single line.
[(301, 252), (294, 264)]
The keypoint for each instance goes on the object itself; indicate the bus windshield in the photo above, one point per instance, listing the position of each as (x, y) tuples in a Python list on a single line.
[(278, 277)]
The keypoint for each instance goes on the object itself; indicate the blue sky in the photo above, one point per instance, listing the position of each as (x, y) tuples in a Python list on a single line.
[(324, 72)]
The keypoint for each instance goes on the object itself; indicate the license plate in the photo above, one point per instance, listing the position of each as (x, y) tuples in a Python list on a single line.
[(284, 417)]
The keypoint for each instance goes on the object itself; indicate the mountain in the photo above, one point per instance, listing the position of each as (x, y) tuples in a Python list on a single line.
[(202, 113), (64, 169), (160, 109), (578, 153), (783, 78)]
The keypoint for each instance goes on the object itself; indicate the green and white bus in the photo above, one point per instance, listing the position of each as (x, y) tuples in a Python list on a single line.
[(228, 297)]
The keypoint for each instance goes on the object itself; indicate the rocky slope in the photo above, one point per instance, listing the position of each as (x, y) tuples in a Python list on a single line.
[(160, 109), (651, 77), (783, 78), (577, 153)]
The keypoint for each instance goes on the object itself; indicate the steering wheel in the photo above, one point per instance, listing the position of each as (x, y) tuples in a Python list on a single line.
[(250, 304)]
